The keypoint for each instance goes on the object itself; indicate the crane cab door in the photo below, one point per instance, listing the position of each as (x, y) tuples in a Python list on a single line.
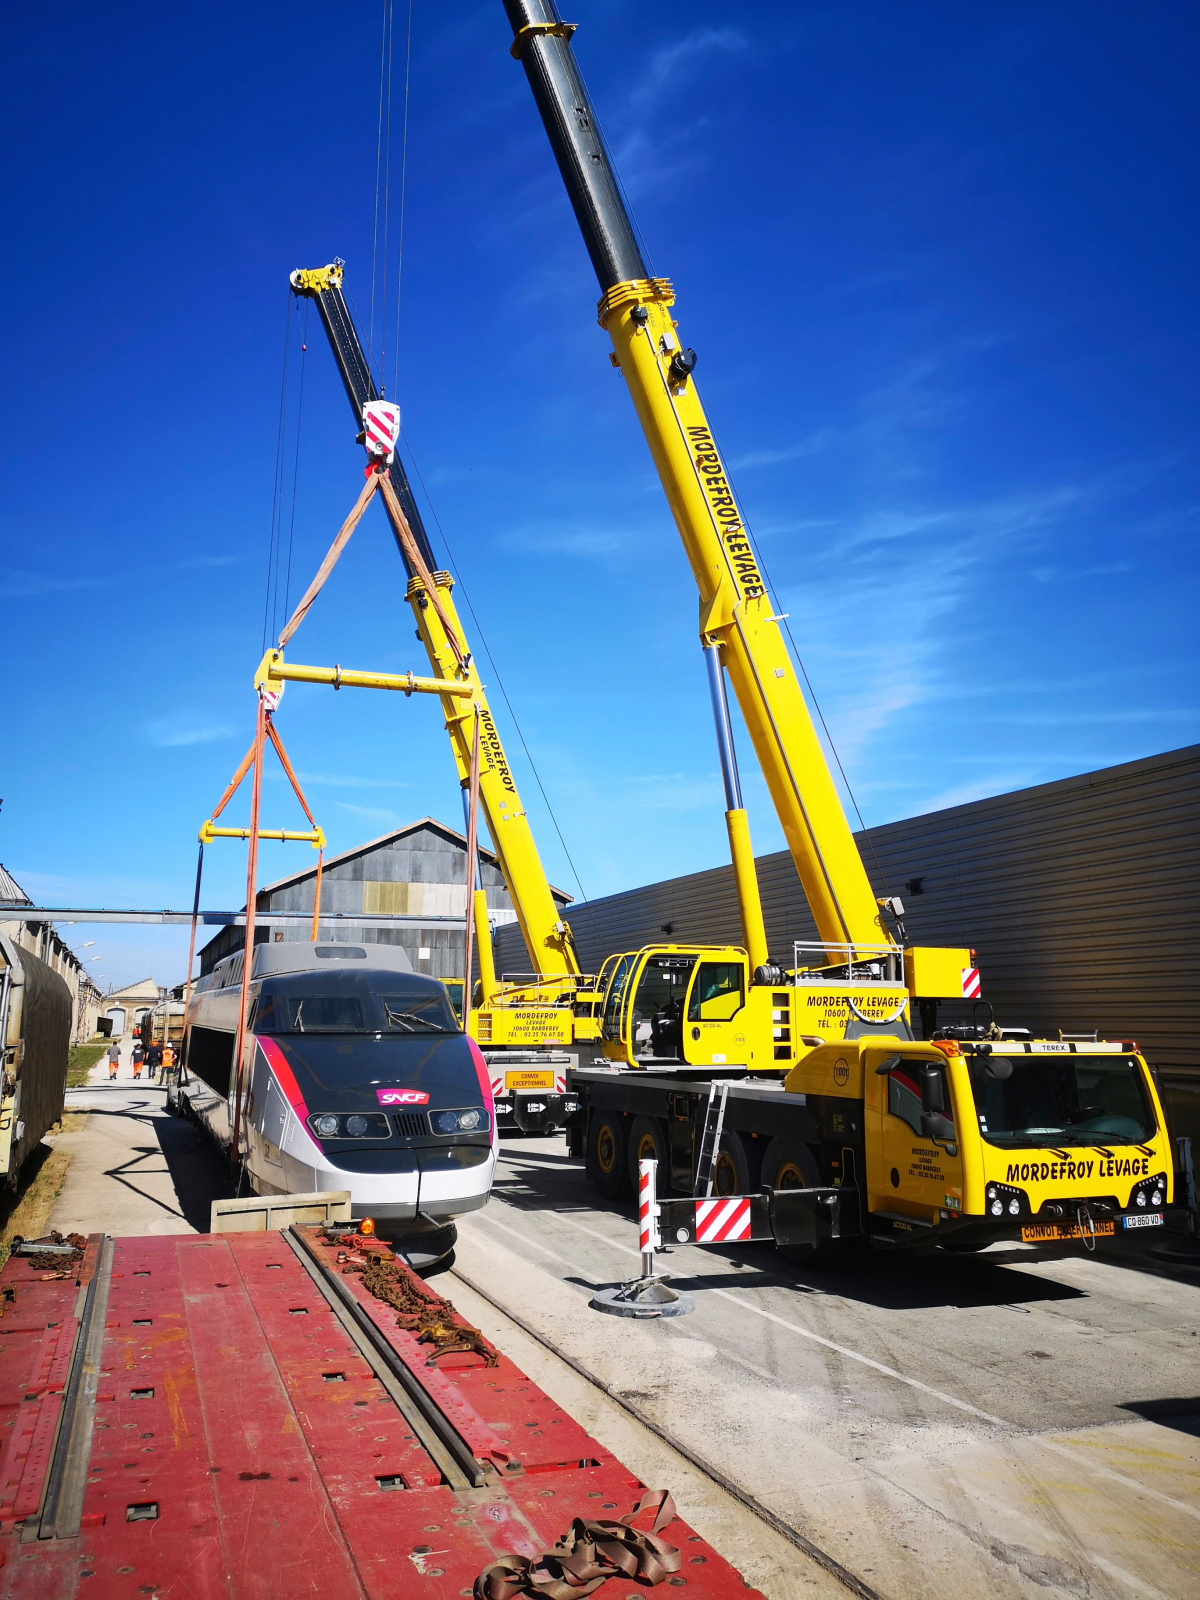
[(715, 1025), (914, 1166)]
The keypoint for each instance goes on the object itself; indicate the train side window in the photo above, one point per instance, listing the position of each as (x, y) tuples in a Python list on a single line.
[(717, 992), (210, 1057)]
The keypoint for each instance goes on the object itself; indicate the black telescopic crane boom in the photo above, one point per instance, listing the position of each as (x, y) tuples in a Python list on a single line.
[(542, 45), (360, 386)]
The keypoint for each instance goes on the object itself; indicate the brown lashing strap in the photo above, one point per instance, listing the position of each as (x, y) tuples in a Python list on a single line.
[(586, 1556)]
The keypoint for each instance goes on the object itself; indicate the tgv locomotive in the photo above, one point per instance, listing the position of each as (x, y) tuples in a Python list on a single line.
[(358, 1077)]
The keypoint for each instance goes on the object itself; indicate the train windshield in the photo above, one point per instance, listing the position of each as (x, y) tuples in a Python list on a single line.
[(353, 1003)]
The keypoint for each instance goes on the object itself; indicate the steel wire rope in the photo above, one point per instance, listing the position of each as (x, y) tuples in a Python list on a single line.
[(614, 169), (287, 591), (812, 694), (387, 187), (378, 163), (504, 692), (403, 188), (276, 493)]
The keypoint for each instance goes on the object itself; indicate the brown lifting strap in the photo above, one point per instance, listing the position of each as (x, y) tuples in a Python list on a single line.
[(586, 1556)]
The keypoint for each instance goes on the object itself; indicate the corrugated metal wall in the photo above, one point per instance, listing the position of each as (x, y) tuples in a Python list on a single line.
[(1080, 898), (422, 858)]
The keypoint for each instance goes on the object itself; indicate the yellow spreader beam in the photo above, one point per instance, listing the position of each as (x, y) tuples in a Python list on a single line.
[(274, 669), (314, 836)]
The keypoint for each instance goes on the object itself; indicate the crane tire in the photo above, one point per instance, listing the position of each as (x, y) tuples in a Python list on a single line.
[(606, 1159), (731, 1169), (648, 1142), (788, 1164)]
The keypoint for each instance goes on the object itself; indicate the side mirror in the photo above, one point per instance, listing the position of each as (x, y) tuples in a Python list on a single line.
[(889, 1064), (933, 1098), (998, 1068)]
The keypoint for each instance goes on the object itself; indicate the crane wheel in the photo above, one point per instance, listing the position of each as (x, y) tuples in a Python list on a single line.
[(648, 1142), (606, 1159), (731, 1169), (788, 1164)]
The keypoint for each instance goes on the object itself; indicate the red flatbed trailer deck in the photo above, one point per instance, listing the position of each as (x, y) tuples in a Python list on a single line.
[(213, 1415)]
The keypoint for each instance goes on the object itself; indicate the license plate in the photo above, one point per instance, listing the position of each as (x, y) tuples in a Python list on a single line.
[(1152, 1219), (1042, 1232), (529, 1080)]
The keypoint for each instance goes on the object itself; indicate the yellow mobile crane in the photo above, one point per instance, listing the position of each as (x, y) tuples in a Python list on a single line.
[(970, 1136), (704, 1006), (521, 1026)]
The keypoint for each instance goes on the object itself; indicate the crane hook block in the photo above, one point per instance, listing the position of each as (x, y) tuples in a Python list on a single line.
[(381, 429)]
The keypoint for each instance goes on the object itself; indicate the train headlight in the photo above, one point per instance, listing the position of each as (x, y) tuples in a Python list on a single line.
[(458, 1121), (356, 1126)]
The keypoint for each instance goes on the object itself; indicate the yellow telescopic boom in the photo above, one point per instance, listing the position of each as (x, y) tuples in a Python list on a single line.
[(736, 613)]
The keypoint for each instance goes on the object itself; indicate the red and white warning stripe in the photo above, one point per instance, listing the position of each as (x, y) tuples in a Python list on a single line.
[(381, 424), (497, 1084), (648, 1213), (560, 1083), (970, 983), (720, 1220)]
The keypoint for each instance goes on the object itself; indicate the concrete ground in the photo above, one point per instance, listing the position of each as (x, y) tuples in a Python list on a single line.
[(135, 1169), (1016, 1423)]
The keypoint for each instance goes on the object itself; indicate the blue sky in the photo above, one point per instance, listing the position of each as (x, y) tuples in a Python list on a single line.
[(938, 263)]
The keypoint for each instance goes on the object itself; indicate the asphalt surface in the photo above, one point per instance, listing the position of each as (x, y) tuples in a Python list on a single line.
[(1021, 1422), (135, 1168)]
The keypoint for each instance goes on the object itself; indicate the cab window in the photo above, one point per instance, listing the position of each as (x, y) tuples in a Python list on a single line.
[(616, 993), (657, 1007), (717, 992), (904, 1097)]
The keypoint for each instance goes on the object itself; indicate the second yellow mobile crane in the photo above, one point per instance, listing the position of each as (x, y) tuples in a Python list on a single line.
[(522, 1026)]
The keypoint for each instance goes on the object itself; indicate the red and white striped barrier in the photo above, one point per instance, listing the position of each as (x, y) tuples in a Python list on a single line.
[(970, 983), (649, 1239), (720, 1221)]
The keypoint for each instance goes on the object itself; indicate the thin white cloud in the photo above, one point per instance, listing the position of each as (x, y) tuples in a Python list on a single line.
[(167, 734), (343, 780), (549, 539), (26, 585), (816, 442), (670, 64), (372, 813)]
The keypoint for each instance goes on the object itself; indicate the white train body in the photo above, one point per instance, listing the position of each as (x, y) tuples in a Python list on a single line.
[(356, 1077)]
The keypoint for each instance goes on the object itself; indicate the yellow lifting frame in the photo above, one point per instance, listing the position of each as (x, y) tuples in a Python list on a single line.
[(316, 838), (274, 669)]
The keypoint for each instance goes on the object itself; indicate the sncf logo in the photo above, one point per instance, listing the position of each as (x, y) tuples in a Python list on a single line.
[(401, 1097)]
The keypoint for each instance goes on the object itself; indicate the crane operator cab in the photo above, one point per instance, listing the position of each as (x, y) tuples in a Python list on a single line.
[(671, 1005)]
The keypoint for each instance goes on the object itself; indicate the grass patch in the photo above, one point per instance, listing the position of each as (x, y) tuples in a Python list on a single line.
[(27, 1212), (80, 1061)]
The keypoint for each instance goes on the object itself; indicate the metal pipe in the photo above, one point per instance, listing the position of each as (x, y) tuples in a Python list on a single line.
[(348, 678), (575, 138), (720, 710), (737, 823)]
